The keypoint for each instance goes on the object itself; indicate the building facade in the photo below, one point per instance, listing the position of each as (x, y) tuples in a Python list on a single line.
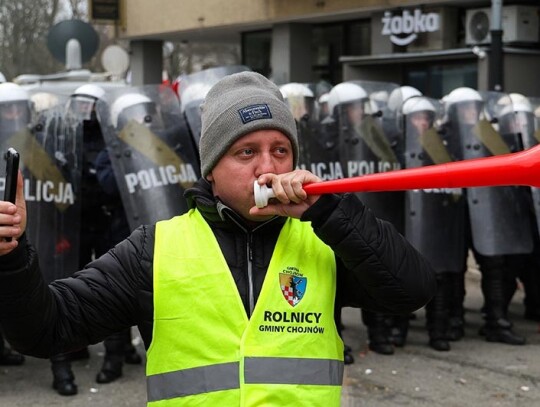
[(433, 45)]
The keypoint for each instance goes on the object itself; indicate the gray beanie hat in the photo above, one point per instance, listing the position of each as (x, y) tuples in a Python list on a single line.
[(239, 104)]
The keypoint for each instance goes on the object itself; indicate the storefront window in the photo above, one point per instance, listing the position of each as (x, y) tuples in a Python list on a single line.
[(330, 41), (256, 51), (437, 80)]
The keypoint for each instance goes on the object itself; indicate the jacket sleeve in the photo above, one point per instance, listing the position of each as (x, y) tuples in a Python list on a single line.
[(379, 269), (42, 320)]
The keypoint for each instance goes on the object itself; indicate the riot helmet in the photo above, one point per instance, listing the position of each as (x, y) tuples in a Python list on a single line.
[(82, 102), (399, 95), (464, 105), (300, 99), (419, 114), (191, 99), (14, 108), (352, 100), (516, 115), (134, 107)]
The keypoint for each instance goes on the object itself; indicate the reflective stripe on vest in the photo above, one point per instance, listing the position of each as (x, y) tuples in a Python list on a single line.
[(205, 351), (256, 370)]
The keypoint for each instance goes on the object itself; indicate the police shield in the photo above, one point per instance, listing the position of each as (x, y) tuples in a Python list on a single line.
[(301, 102), (154, 161), (193, 89), (499, 216), (434, 218), (51, 150), (315, 154), (365, 145)]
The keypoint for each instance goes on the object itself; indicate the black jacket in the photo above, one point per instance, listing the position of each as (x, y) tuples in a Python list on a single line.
[(377, 269)]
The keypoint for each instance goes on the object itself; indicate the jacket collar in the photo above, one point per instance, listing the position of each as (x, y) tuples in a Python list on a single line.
[(216, 212)]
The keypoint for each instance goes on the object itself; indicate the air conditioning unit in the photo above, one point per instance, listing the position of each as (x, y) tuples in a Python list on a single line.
[(520, 24)]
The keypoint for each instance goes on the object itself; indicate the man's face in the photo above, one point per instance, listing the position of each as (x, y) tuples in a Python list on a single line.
[(468, 113), (82, 107), (421, 121), (13, 117), (257, 153), (355, 113), (13, 112)]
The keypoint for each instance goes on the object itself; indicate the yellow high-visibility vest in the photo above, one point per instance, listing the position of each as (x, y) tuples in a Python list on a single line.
[(206, 352)]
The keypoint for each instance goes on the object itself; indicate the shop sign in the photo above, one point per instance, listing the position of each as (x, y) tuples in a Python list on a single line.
[(404, 29)]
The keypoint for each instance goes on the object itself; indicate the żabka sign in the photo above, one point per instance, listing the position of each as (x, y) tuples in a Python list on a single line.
[(403, 29)]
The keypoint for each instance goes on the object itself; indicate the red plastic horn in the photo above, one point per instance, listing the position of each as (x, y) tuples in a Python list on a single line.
[(522, 168)]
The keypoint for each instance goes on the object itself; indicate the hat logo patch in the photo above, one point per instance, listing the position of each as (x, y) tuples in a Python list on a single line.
[(255, 112)]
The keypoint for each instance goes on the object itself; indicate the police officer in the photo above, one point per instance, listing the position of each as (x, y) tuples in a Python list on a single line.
[(14, 116), (393, 126), (361, 142), (516, 119), (80, 122), (493, 240), (103, 223), (435, 219)]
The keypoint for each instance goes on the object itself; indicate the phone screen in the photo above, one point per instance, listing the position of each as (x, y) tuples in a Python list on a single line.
[(12, 169)]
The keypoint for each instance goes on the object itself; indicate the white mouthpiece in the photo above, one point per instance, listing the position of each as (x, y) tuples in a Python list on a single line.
[(262, 194)]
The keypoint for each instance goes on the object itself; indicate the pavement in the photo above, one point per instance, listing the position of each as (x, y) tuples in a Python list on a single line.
[(473, 373)]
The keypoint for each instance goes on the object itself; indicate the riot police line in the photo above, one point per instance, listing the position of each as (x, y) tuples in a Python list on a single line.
[(369, 127), (351, 129)]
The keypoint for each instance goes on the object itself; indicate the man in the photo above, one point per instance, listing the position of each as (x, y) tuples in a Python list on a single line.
[(208, 290), (435, 218)]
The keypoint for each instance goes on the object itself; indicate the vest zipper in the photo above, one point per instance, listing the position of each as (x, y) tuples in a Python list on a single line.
[(251, 295), (222, 209)]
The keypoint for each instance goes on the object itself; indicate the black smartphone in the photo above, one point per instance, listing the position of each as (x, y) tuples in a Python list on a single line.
[(12, 170)]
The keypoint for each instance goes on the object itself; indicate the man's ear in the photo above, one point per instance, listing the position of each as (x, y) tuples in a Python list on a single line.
[(210, 177)]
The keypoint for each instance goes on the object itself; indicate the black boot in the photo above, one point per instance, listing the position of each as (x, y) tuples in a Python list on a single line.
[(63, 378), (437, 321), (378, 333), (502, 332), (111, 369), (399, 329), (456, 311), (497, 327), (115, 353)]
